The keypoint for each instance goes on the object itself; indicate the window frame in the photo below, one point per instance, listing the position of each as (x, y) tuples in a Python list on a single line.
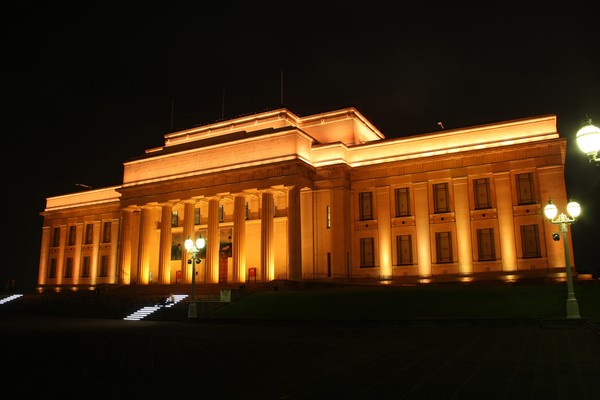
[(481, 189), (400, 194), (367, 252), (402, 243), (365, 206), (441, 256), (441, 198)]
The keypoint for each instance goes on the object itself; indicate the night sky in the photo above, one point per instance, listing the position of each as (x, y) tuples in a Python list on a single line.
[(87, 92)]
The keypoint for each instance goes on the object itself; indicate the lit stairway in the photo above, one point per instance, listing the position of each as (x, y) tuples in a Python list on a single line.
[(145, 311), (10, 298)]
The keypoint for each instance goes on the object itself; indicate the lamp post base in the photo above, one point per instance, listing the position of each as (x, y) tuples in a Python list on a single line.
[(572, 309), (192, 313)]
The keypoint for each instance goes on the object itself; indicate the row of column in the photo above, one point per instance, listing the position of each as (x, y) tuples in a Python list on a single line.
[(138, 228)]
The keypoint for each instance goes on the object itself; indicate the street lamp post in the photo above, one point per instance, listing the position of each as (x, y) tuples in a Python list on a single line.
[(194, 249), (588, 140), (562, 220)]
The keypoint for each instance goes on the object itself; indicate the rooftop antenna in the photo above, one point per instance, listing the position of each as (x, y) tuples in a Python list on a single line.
[(441, 125), (281, 101), (83, 186)]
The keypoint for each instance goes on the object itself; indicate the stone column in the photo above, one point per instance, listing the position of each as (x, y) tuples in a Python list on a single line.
[(267, 253), (422, 229), (463, 225), (144, 250), (212, 242), (78, 245), (95, 252), (188, 232), (60, 262), (294, 234), (114, 250), (125, 272), (44, 251), (384, 225), (239, 239), (164, 255), (506, 222)]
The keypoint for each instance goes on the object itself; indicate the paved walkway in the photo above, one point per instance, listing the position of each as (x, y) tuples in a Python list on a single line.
[(62, 358)]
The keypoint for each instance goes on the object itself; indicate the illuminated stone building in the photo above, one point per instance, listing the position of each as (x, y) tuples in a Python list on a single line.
[(327, 197)]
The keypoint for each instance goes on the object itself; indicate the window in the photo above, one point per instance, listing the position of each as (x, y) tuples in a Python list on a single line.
[(106, 233), (197, 216), (85, 270), (530, 240), (402, 202), (486, 246), (328, 216), (443, 247), (221, 213), (69, 268), (176, 251), (55, 237), (441, 201), (404, 250), (481, 193), (103, 266), (174, 218), (52, 270), (367, 252), (525, 193), (365, 205), (247, 211), (89, 231), (72, 231)]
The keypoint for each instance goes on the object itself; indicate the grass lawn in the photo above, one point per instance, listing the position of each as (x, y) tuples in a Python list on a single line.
[(416, 302)]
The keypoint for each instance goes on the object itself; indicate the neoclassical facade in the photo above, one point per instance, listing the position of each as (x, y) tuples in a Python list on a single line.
[(326, 196)]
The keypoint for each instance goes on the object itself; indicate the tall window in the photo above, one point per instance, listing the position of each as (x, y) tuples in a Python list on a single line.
[(176, 251), (441, 202), (197, 216), (247, 211), (85, 268), (106, 232), (72, 231), (443, 246), (402, 202), (404, 250), (481, 192), (103, 266), (174, 218), (328, 216), (52, 270), (365, 205), (221, 213), (525, 189), (89, 233), (485, 244), (69, 268), (367, 252), (55, 237), (530, 241)]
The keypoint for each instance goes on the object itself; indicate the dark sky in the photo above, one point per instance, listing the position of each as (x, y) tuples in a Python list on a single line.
[(88, 91)]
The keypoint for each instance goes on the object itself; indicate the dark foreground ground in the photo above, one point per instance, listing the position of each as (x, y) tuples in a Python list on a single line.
[(67, 358), (277, 358)]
